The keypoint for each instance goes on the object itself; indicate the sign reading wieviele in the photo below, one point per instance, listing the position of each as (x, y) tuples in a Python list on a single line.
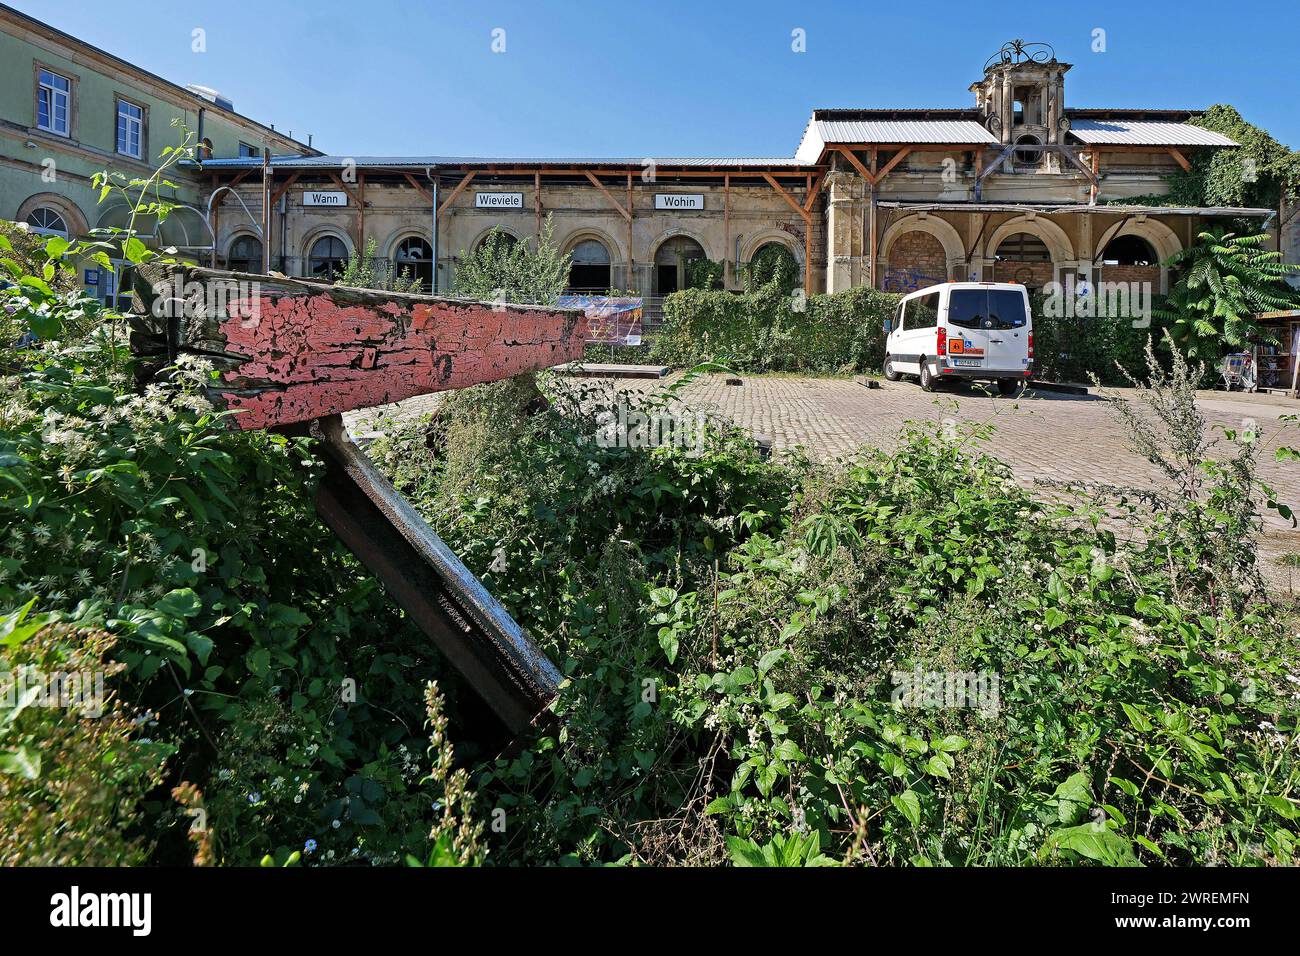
[(679, 200), (499, 200), (311, 198)]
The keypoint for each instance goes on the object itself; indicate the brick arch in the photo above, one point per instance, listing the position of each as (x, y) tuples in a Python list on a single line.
[(1030, 273), (916, 259), (617, 252), (1053, 236), (918, 251), (484, 233)]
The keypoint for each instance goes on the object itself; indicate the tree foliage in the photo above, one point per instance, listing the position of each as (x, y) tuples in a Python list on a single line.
[(1224, 281), (502, 270), (365, 270)]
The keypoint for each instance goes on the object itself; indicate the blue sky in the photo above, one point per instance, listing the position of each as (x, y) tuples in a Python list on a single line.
[(624, 78)]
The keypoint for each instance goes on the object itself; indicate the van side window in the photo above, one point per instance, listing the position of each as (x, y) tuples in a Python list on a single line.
[(924, 311)]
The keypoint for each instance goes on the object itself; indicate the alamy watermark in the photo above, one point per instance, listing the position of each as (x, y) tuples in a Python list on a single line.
[(1083, 299), (624, 426), (973, 690), (227, 298), (29, 687)]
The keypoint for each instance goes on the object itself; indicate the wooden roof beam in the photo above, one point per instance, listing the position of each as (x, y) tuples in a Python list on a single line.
[(794, 203), (898, 157), (275, 196), (460, 187), (857, 164), (625, 213)]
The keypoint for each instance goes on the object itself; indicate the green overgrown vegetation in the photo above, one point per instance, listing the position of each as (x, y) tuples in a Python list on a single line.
[(898, 658), (501, 269), (771, 329), (365, 270), (902, 658), (1257, 175)]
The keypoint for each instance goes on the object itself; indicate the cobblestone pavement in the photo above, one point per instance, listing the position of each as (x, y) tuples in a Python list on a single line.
[(1044, 436)]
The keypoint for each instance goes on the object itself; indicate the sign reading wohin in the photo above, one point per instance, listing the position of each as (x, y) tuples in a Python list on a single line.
[(679, 200), (499, 200)]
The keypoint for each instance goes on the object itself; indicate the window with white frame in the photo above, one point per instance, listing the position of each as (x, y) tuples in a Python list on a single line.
[(45, 221), (130, 129), (53, 102)]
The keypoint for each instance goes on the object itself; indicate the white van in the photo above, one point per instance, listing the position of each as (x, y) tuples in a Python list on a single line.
[(970, 330)]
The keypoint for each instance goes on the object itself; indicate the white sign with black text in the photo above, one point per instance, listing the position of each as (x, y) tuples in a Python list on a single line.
[(311, 198), (499, 200), (679, 200)]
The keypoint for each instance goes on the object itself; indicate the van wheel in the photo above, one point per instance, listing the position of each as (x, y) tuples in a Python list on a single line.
[(890, 374), (1008, 386), (927, 377)]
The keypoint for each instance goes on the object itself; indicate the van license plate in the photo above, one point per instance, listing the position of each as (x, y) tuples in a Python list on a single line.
[(977, 363)]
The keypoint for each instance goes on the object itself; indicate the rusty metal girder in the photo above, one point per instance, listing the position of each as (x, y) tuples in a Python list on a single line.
[(468, 625)]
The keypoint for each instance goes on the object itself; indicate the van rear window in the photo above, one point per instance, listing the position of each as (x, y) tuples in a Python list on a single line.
[(986, 309)]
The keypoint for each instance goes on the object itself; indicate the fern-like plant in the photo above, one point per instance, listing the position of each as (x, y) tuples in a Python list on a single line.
[(1226, 280)]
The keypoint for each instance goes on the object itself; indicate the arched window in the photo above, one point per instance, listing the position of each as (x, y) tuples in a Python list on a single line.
[(499, 237), (1129, 251), (773, 262), (328, 258), (205, 149), (1024, 247), (671, 263), (47, 222), (414, 257), (590, 269), (245, 255)]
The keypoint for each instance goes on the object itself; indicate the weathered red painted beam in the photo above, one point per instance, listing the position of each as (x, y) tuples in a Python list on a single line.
[(292, 351)]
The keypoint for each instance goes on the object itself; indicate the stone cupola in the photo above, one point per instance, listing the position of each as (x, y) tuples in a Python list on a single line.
[(1022, 102)]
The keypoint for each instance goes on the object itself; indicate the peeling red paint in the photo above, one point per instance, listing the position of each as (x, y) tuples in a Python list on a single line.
[(309, 356)]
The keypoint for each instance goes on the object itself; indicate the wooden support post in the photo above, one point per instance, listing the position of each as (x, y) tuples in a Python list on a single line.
[(419, 188), (865, 173), (361, 212), (631, 271), (726, 225), (897, 158), (610, 196), (875, 157), (460, 187), (537, 204), (806, 216), (1096, 176), (266, 210)]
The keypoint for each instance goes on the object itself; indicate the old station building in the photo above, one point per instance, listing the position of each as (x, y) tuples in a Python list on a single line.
[(1018, 185)]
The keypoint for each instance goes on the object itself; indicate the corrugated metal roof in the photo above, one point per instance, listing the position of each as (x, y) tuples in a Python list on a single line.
[(1137, 133), (903, 131), (420, 162), (1105, 209)]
